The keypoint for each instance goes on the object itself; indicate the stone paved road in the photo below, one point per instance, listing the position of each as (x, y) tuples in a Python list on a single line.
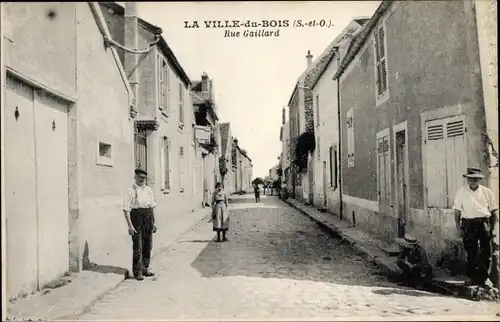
[(277, 265)]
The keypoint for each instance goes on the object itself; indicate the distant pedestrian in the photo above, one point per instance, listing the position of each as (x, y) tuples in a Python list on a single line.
[(414, 263), (476, 214), (256, 191), (220, 212), (139, 208)]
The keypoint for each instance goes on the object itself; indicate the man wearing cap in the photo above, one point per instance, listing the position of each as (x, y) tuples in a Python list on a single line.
[(138, 208), (476, 214), (413, 261)]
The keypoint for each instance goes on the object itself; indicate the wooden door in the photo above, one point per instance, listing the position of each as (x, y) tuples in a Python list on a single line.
[(51, 137), (20, 188)]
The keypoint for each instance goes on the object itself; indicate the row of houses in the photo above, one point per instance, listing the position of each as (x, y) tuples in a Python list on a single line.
[(382, 125), (91, 91)]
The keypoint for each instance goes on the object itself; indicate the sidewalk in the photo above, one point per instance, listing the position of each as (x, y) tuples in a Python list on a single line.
[(375, 250), (79, 290)]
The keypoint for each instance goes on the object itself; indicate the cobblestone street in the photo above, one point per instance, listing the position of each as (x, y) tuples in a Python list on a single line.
[(277, 264)]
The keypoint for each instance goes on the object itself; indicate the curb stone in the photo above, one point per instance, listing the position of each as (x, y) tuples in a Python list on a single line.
[(382, 261)]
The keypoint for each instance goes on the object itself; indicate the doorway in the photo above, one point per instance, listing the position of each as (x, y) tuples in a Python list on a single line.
[(36, 181), (401, 151), (325, 183)]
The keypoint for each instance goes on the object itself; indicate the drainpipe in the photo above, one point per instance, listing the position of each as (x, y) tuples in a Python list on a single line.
[(103, 27), (131, 41), (339, 136)]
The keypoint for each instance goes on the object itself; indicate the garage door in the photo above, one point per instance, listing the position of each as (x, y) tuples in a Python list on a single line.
[(36, 178)]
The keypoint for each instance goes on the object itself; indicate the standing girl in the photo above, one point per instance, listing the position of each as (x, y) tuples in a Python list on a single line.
[(220, 212)]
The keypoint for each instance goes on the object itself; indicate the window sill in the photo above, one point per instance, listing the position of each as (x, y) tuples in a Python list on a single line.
[(103, 161), (165, 191)]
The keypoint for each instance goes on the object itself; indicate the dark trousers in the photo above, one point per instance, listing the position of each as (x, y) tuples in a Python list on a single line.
[(257, 195), (143, 221), (477, 244), (416, 274)]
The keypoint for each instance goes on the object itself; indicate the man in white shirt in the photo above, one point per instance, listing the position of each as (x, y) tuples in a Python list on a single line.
[(476, 214), (138, 208)]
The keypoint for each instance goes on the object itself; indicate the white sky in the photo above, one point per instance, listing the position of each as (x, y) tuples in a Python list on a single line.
[(253, 77)]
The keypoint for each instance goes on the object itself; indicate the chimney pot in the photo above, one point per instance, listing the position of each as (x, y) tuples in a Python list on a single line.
[(309, 58), (204, 82)]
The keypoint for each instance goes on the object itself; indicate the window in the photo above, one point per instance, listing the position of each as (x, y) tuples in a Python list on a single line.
[(333, 167), (384, 167), (350, 138), (104, 154), (163, 87), (317, 110), (380, 62), (105, 150), (181, 151), (181, 104), (445, 159), (165, 163)]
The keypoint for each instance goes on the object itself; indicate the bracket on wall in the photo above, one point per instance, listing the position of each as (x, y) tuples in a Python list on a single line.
[(53, 125), (16, 113)]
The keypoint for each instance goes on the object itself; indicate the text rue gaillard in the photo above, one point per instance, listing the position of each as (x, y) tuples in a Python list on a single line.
[(252, 33)]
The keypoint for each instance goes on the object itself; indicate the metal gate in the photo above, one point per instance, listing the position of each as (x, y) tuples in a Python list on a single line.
[(141, 149)]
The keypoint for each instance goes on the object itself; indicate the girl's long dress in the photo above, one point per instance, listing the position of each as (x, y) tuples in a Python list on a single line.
[(221, 220)]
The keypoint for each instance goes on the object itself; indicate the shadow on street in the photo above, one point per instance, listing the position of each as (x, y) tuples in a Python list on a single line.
[(282, 243)]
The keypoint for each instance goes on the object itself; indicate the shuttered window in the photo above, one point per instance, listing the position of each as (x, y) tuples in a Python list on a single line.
[(350, 138), (182, 166), (333, 168), (381, 61), (318, 146), (384, 169), (445, 158), (165, 164), (162, 85), (181, 103)]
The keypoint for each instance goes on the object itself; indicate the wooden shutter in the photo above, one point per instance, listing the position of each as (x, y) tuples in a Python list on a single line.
[(166, 152), (456, 155), (160, 82), (350, 138), (435, 154), (181, 168), (181, 103), (384, 169), (381, 62), (331, 166)]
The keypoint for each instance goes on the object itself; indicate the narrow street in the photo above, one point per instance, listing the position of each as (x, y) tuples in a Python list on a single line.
[(277, 264)]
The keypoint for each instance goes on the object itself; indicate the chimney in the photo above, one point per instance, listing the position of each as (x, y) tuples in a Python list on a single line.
[(131, 41), (204, 82), (283, 116), (309, 58)]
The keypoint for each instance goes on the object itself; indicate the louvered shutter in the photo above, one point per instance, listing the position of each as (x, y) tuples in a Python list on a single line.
[(436, 163), (456, 155), (181, 103)]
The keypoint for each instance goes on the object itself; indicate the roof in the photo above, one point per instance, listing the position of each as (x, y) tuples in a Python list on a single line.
[(359, 41), (224, 134), (314, 72), (333, 47), (176, 66)]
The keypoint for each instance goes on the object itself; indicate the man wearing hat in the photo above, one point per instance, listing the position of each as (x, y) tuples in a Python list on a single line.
[(139, 212), (476, 214), (413, 261)]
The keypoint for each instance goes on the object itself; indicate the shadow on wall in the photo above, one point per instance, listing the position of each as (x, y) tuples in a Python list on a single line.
[(87, 265)]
